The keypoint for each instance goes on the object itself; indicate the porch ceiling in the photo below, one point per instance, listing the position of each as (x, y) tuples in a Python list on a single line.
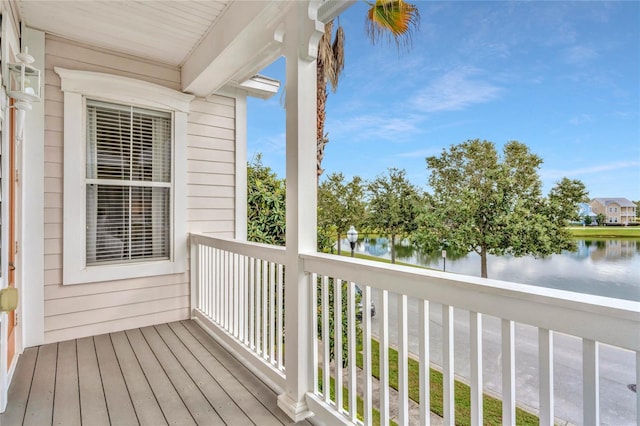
[(164, 31), (216, 43)]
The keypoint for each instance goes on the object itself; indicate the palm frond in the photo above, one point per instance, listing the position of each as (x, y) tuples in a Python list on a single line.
[(338, 56), (394, 20)]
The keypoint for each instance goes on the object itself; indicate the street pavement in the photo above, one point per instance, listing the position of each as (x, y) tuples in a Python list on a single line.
[(617, 366)]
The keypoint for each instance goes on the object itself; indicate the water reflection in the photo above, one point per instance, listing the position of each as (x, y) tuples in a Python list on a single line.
[(605, 267)]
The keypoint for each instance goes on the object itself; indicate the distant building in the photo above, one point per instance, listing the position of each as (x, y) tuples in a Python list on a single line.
[(584, 211), (616, 210)]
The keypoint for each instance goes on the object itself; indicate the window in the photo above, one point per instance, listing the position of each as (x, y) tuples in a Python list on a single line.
[(124, 207), (128, 183)]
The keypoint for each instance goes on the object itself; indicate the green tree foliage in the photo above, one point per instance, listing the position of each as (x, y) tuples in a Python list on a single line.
[(493, 204), (266, 205), (601, 218), (565, 195), (394, 205), (340, 205), (331, 293)]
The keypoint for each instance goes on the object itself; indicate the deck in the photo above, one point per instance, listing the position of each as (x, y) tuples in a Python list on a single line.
[(166, 374)]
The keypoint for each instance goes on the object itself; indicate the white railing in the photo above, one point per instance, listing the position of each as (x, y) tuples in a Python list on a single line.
[(237, 292), (597, 321)]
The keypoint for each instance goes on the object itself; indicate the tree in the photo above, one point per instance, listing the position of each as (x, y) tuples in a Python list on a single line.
[(493, 204), (601, 218), (394, 205), (565, 196), (266, 204), (340, 205), (394, 20)]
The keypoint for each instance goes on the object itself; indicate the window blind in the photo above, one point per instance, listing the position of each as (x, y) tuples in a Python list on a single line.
[(128, 184)]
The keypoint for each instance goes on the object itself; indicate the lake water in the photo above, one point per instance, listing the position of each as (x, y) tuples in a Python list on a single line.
[(606, 267)]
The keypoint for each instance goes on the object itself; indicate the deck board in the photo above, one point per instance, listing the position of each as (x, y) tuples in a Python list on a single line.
[(231, 385), (259, 390), (222, 403), (174, 409), (144, 401), (93, 405), (66, 406), (116, 394), (196, 403), (166, 374), (40, 406), (20, 388)]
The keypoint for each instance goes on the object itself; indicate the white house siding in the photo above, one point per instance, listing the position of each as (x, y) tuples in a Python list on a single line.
[(211, 166), (73, 311)]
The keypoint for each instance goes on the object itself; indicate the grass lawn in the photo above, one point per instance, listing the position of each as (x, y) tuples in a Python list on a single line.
[(492, 407), (606, 231)]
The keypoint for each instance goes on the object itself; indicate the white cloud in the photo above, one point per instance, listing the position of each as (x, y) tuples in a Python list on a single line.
[(556, 174), (374, 125), (427, 152), (580, 119), (580, 55), (270, 143), (456, 90)]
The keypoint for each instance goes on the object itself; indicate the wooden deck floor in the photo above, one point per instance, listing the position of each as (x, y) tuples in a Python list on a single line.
[(167, 374)]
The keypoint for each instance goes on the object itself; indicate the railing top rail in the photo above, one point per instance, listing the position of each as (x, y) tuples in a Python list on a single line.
[(608, 320), (256, 250)]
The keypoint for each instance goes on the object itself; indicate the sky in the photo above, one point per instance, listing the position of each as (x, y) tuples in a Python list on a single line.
[(562, 77)]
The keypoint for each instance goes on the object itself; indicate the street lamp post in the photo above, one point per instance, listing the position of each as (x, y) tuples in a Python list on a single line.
[(444, 255), (352, 237)]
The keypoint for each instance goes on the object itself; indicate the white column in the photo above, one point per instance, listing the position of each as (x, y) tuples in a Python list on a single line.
[(241, 166), (302, 33), (31, 186)]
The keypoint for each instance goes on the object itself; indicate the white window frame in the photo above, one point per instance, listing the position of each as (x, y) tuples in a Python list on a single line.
[(77, 86)]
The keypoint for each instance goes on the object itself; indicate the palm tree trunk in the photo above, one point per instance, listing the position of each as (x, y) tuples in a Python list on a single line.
[(321, 90)]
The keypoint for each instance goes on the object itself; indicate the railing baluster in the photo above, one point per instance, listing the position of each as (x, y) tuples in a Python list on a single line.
[(225, 290), (272, 313), (475, 329), (545, 373), (425, 371), (233, 301), (252, 303), (236, 294), (240, 298), (258, 306), (337, 345), (313, 284), (508, 374), (216, 309), (351, 343), (403, 365), (383, 312), (447, 365), (325, 339), (280, 317), (204, 281), (366, 337), (230, 288), (224, 285), (265, 308), (590, 383)]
